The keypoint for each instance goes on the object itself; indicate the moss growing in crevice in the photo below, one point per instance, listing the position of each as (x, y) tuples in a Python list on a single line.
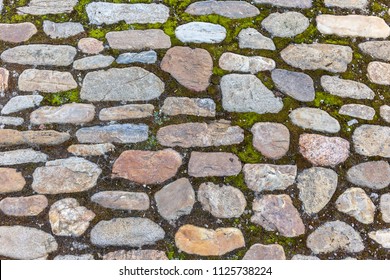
[(60, 98)]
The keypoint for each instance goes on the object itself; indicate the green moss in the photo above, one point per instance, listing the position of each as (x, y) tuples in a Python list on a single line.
[(378, 7), (247, 153), (326, 99), (97, 33), (56, 99), (237, 181), (308, 36)]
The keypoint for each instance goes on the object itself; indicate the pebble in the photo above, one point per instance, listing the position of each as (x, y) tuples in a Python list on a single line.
[(21, 156), (200, 32), (10, 137), (20, 103), (314, 119), (372, 174), (382, 237), (384, 207), (62, 30), (14, 121), (125, 112), (85, 257), (304, 4), (346, 88), (90, 45), (136, 255), (288, 24), (229, 9), (147, 57), (93, 62), (91, 150), (379, 72), (44, 7), (265, 252), (245, 64), (11, 180), (347, 4), (372, 140), (385, 113), (250, 38), (138, 39), (23, 206), (376, 49), (299, 257), (358, 111), (201, 107), (17, 32), (213, 164), (120, 200), (4, 76)]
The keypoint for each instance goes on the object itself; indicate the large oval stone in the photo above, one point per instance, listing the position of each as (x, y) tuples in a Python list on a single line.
[(372, 174), (23, 206), (201, 32), (372, 140), (18, 32), (69, 113), (315, 119), (120, 200), (229, 9), (287, 24)]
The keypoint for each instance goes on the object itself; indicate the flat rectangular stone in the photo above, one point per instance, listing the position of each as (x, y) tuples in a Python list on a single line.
[(10, 137), (69, 113), (132, 111), (138, 39), (201, 107), (21, 156), (213, 164)]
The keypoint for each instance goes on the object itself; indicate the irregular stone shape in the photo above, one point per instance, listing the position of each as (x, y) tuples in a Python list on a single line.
[(314, 119), (23, 206), (382, 237), (68, 175), (316, 187), (9, 137), (346, 88), (74, 113), (221, 202), (356, 203), (186, 135), (68, 218), (376, 49), (85, 257), (90, 45), (192, 68), (115, 133), (229, 9), (110, 13), (20, 103), (347, 4), (277, 213), (333, 236), (245, 64), (372, 174), (138, 39), (93, 62), (372, 140), (299, 86), (322, 150), (21, 156), (147, 167), (11, 121), (18, 242), (246, 93), (17, 32), (384, 206), (332, 58), (385, 113), (148, 57), (287, 24), (125, 84), (299, 257), (91, 150), (353, 26), (269, 177), (62, 30), (43, 7), (11, 180), (265, 252), (208, 242), (136, 255), (213, 164), (271, 139), (125, 112), (379, 72), (40, 54), (132, 232), (4, 76), (172, 209), (358, 111), (201, 107), (46, 81), (287, 3), (250, 38), (120, 200), (200, 32)]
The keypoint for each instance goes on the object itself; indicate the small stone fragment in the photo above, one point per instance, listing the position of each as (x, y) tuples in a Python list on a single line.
[(385, 113), (250, 38), (299, 257), (213, 164), (20, 103), (376, 49), (382, 237), (229, 9), (120, 200), (346, 88), (384, 206), (93, 62), (11, 121), (17, 32), (372, 174), (11, 180), (62, 30), (125, 112), (347, 4), (287, 24), (147, 57), (372, 140), (304, 4), (245, 64), (379, 72), (358, 111), (43, 7), (85, 257), (21, 156), (4, 76), (201, 107), (265, 252), (91, 150), (90, 45), (314, 119), (200, 32), (136, 255), (138, 39), (23, 206)]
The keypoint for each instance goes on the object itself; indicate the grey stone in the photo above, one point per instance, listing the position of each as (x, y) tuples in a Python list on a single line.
[(372, 140), (229, 9), (20, 103), (347, 4), (287, 3), (200, 32), (379, 72), (21, 156), (121, 200), (314, 119), (385, 113), (213, 164), (23, 206), (17, 32), (85, 257), (358, 111), (91, 150), (382, 237), (11, 180), (250, 38), (93, 62), (299, 257), (265, 252), (136, 255), (147, 57), (62, 30), (384, 207), (125, 112), (376, 49), (201, 107), (346, 88), (372, 174), (287, 24), (138, 39), (14, 121), (43, 7), (245, 64)]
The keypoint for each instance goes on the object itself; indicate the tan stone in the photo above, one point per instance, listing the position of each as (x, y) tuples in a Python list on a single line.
[(9, 137), (372, 140), (379, 72), (84, 150), (23, 206), (4, 76), (11, 180), (132, 111), (90, 45), (17, 32), (74, 113), (213, 164)]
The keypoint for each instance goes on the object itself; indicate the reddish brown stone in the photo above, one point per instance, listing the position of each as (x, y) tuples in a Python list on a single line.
[(265, 252), (18, 32), (90, 45)]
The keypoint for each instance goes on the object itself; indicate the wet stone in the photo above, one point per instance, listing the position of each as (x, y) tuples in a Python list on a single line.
[(91, 150), (125, 112), (379, 72), (385, 113), (200, 32), (287, 24), (11, 180), (213, 164), (245, 64), (43, 7), (201, 107), (346, 88), (62, 30), (376, 49), (372, 174), (90, 45), (229, 9), (120, 200), (314, 119), (21, 156), (136, 255), (372, 140), (384, 207), (358, 111), (20, 103), (147, 57), (382, 237), (85, 257), (9, 137), (4, 76), (93, 62), (250, 38), (23, 206), (347, 4), (265, 252), (18, 32), (12, 121), (287, 3)]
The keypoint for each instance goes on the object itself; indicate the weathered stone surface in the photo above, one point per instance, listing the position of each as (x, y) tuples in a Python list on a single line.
[(9, 137), (11, 121), (333, 58), (277, 213), (200, 32), (172, 209), (245, 64), (148, 57), (125, 84), (138, 39), (147, 167), (382, 237), (192, 68), (299, 257), (333, 236), (353, 26), (221, 202), (384, 206), (91, 150), (17, 32), (85, 257), (133, 232), (213, 164), (314, 119), (347, 4), (385, 113), (265, 252), (322, 150), (74, 113), (40, 54), (11, 180), (316, 187), (299, 86), (287, 3), (207, 242), (372, 174), (4, 76), (250, 38), (201, 107), (21, 156), (287, 24), (90, 45), (379, 72), (356, 203), (109, 13), (43, 7), (358, 111), (46, 81), (23, 206), (218, 133), (18, 242), (269, 177), (376, 49), (65, 176), (271, 139), (62, 30), (372, 140), (120, 200), (20, 103), (136, 255), (346, 88), (125, 112), (229, 9), (246, 93), (93, 62)]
